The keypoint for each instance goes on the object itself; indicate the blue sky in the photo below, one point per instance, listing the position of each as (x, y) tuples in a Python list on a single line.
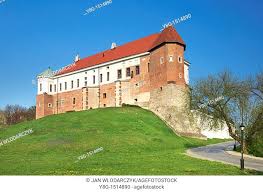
[(37, 34)]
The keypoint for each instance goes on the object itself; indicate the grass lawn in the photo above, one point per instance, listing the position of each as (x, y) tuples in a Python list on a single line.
[(134, 141)]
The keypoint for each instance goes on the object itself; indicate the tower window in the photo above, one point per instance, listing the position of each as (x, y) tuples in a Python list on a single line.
[(128, 72), (180, 59), (180, 75), (148, 67), (119, 74), (104, 95), (161, 60), (137, 70), (40, 87), (171, 58)]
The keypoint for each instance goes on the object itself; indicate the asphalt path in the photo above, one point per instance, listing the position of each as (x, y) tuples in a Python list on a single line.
[(217, 152)]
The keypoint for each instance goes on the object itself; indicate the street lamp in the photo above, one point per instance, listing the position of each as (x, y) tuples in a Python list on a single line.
[(235, 145), (242, 165)]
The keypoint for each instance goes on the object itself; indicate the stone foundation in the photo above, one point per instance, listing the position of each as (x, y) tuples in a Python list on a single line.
[(172, 104)]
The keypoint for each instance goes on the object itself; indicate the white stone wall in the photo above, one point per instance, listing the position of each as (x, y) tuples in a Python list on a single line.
[(220, 132), (88, 73)]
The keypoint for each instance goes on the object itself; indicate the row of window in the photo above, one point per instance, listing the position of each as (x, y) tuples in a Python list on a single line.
[(129, 73), (180, 59)]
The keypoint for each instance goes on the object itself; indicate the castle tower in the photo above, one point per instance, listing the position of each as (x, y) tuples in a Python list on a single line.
[(169, 96), (44, 101)]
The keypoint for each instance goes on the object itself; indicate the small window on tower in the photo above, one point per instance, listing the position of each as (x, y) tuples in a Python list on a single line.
[(104, 95), (148, 67), (161, 60), (180, 75), (40, 87), (49, 105), (171, 58), (180, 59)]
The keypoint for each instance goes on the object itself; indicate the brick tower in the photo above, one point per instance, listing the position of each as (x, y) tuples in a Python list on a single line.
[(169, 96)]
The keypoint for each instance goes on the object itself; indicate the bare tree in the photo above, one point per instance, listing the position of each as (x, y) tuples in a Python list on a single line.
[(238, 104), (15, 114)]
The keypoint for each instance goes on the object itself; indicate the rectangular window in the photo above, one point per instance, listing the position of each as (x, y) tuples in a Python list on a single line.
[(77, 82), (180, 59), (148, 67), (50, 88), (86, 83), (72, 84), (40, 87), (74, 101), (101, 78), (94, 80), (128, 72), (55, 88), (171, 58), (119, 74), (137, 70), (60, 86), (161, 60), (108, 76), (104, 95), (65, 85)]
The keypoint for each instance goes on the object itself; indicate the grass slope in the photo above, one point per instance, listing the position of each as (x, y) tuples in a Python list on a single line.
[(135, 142)]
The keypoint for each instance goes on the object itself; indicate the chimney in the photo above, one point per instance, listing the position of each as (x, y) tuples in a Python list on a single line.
[(77, 58), (113, 45)]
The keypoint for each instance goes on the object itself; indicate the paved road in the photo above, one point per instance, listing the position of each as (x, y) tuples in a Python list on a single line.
[(217, 153)]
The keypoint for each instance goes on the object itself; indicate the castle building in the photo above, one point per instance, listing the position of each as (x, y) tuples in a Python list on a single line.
[(150, 72), (123, 74)]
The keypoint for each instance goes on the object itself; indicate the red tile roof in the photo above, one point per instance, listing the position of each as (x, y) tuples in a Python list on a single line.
[(139, 46), (168, 35)]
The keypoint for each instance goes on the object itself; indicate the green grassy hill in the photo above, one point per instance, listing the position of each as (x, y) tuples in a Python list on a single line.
[(134, 141)]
